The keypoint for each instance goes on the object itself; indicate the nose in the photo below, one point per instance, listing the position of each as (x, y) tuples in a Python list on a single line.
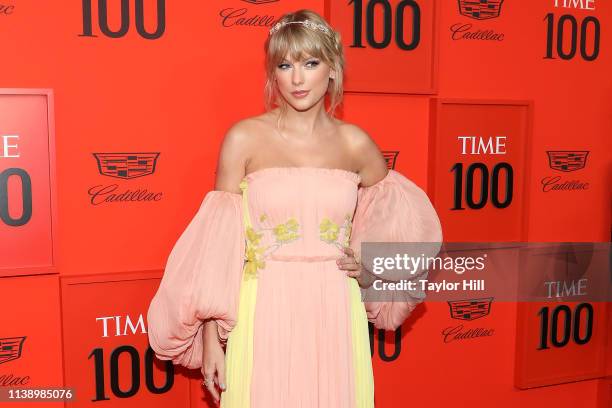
[(297, 76)]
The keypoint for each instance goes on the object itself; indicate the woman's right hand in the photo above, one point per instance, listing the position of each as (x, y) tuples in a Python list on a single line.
[(213, 360)]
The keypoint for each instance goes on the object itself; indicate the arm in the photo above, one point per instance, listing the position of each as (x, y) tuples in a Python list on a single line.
[(231, 168), (365, 152), (392, 209), (372, 168), (233, 157)]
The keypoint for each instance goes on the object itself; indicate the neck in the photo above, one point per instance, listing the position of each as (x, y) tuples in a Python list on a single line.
[(303, 124)]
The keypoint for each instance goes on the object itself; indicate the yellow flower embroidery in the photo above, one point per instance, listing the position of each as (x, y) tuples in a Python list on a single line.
[(328, 230), (286, 232), (253, 253), (252, 236), (254, 262), (349, 226)]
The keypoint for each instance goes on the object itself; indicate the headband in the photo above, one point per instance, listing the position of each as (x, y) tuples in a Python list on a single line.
[(310, 24)]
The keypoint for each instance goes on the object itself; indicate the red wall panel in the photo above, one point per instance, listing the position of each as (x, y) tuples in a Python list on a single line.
[(166, 83)]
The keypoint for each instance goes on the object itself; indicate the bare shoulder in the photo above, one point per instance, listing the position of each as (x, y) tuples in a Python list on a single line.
[(245, 127), (357, 137), (234, 155), (248, 131), (248, 134), (365, 152)]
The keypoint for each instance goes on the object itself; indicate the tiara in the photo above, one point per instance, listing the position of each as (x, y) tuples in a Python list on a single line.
[(308, 23)]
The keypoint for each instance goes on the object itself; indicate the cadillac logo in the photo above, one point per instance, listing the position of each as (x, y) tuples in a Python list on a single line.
[(260, 1), (567, 160), (10, 348), (480, 9), (470, 309), (126, 165), (390, 157)]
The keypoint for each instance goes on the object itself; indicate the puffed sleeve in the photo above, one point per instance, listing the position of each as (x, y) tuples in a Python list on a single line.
[(201, 281), (395, 210)]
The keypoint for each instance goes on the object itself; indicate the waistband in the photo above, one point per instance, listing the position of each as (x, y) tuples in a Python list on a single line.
[(302, 258)]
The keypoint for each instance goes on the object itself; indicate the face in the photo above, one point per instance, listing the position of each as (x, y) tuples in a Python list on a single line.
[(310, 74)]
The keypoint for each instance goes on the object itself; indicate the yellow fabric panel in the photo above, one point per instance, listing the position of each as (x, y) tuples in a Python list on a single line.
[(239, 351), (362, 360)]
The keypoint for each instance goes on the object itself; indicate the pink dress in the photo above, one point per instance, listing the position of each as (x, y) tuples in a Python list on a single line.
[(263, 265)]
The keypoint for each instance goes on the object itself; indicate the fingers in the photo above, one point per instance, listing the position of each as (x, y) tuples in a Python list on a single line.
[(348, 251), (349, 264), (221, 376), (209, 383)]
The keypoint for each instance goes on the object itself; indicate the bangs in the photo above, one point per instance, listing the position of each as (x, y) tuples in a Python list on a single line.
[(297, 42)]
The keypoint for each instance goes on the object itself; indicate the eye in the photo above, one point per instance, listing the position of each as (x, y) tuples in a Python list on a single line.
[(313, 63), (283, 65)]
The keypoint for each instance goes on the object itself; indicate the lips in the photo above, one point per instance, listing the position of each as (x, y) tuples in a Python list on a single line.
[(300, 94)]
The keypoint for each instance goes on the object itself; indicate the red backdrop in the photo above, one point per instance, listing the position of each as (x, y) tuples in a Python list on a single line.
[(152, 86)]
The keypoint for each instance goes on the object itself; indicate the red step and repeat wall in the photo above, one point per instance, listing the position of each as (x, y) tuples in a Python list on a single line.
[(111, 117)]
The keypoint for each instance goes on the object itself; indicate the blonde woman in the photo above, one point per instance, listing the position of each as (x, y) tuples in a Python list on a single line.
[(261, 291)]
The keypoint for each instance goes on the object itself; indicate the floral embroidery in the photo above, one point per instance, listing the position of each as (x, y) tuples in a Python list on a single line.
[(253, 253), (329, 231), (256, 252), (349, 227), (254, 262), (286, 232), (252, 236)]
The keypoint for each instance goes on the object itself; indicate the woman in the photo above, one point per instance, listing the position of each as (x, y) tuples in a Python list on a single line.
[(297, 191)]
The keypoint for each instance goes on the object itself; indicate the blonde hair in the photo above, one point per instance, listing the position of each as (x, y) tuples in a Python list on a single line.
[(297, 39)]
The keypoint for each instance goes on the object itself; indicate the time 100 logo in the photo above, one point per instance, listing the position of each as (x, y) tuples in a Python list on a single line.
[(392, 20), (124, 27)]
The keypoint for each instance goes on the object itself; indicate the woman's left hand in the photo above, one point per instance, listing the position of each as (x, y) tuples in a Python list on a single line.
[(353, 268)]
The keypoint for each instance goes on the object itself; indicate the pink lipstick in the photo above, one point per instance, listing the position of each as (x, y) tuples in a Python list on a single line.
[(300, 94)]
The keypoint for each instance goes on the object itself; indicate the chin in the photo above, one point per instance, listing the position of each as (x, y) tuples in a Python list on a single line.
[(302, 107)]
